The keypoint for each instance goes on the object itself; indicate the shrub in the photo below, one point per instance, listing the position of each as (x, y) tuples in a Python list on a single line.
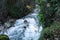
[(50, 11), (50, 31), (46, 33)]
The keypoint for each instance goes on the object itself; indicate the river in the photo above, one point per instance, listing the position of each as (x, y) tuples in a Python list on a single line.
[(26, 28)]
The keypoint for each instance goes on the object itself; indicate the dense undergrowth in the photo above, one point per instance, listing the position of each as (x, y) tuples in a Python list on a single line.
[(48, 32), (49, 17)]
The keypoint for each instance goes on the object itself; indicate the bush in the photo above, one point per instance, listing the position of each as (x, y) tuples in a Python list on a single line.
[(50, 11), (46, 33), (50, 30)]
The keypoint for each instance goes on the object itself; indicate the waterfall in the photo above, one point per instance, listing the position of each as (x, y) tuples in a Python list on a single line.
[(25, 28)]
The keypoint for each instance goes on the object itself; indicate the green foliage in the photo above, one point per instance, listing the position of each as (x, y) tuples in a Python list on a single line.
[(55, 25), (49, 30), (40, 18), (4, 37), (50, 10), (51, 16), (18, 8)]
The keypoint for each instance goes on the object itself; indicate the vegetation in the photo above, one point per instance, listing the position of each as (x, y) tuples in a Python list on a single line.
[(15, 9), (46, 33), (50, 31), (50, 11), (49, 17), (20, 8), (4, 37)]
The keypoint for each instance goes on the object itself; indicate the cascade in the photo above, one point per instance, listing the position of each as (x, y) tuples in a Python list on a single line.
[(25, 28)]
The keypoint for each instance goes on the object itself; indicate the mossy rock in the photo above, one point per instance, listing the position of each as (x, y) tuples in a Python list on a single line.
[(4, 37)]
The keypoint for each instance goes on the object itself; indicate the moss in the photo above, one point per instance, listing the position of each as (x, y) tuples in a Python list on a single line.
[(4, 37)]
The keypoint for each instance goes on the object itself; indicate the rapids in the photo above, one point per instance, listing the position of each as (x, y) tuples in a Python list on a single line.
[(25, 28)]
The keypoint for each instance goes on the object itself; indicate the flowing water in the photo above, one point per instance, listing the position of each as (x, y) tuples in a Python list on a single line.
[(25, 28)]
